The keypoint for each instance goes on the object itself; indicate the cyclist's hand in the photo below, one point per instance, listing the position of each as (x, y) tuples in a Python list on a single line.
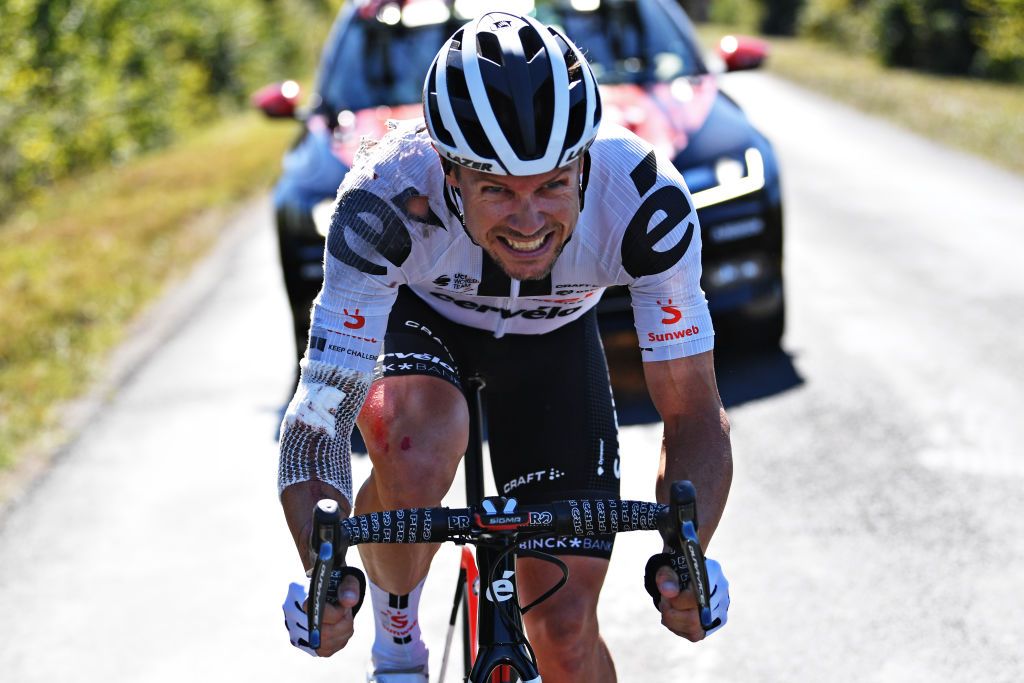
[(338, 620), (678, 608)]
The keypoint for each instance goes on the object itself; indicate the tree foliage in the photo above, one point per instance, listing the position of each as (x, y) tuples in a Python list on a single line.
[(848, 23), (971, 37), (933, 35), (780, 17), (84, 82), (1001, 37)]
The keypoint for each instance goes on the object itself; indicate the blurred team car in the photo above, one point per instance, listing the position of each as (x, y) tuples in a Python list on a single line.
[(654, 81)]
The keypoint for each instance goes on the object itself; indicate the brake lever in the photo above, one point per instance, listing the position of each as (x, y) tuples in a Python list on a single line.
[(683, 502), (323, 541)]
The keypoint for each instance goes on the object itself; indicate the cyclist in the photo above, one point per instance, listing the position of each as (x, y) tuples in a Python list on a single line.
[(479, 241)]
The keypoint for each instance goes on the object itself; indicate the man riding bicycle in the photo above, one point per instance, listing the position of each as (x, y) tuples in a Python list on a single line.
[(478, 242)]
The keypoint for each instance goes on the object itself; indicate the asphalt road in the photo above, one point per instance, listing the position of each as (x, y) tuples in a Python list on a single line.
[(874, 532)]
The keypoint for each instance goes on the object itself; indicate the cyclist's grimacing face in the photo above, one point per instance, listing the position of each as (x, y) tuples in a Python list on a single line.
[(522, 222)]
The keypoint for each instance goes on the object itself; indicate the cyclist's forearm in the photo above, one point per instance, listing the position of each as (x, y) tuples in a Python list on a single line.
[(699, 449), (298, 501), (315, 457)]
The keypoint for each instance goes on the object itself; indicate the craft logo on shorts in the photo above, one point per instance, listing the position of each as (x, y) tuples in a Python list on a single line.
[(532, 477)]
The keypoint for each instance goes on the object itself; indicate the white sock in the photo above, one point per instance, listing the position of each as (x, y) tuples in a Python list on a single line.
[(397, 643)]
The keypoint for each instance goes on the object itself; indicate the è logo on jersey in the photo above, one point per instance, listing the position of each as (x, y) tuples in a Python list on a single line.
[(357, 320), (674, 314), (664, 212)]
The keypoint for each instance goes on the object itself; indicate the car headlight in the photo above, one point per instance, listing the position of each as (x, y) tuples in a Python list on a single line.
[(732, 183), (322, 213), (734, 272)]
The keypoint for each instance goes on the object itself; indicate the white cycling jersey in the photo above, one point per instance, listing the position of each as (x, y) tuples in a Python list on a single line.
[(638, 228)]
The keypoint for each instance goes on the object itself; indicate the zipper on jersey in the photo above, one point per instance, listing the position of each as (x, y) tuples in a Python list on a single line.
[(510, 304)]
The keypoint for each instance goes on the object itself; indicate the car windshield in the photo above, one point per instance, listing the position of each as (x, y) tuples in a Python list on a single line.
[(382, 58)]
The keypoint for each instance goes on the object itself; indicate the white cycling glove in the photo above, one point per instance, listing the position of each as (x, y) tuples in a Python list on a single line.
[(718, 593), (719, 596), (295, 619)]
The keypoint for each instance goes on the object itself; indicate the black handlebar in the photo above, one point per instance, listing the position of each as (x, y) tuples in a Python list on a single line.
[(588, 517), (585, 517)]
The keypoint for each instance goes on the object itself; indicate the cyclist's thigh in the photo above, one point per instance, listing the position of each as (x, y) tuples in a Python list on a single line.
[(415, 403), (551, 422)]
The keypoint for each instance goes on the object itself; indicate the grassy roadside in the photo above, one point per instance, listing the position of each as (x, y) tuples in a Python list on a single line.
[(79, 264), (979, 117)]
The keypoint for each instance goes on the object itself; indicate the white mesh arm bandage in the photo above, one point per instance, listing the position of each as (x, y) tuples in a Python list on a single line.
[(317, 429)]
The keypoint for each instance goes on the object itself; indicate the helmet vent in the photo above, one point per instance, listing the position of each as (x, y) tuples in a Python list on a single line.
[(532, 44), (489, 48), (433, 110)]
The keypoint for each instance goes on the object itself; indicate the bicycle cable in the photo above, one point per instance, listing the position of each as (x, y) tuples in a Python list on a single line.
[(545, 557), (514, 628)]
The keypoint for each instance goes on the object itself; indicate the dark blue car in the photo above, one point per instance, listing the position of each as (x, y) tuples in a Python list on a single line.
[(654, 81)]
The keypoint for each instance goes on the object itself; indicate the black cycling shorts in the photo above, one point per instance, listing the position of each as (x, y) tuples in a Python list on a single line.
[(550, 416)]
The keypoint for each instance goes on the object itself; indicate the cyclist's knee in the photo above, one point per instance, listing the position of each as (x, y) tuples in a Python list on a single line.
[(415, 428), (565, 633), (564, 628)]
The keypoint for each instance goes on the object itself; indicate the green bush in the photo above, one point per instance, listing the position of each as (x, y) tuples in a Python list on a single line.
[(965, 37), (86, 82), (743, 14), (848, 23), (1000, 33), (933, 35), (780, 17)]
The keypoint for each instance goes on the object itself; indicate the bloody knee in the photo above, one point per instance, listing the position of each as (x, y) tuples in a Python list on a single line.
[(415, 429)]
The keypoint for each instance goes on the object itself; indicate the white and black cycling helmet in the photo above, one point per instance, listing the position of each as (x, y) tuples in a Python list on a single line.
[(511, 96)]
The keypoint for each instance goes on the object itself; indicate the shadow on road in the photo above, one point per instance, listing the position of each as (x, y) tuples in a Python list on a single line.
[(743, 376)]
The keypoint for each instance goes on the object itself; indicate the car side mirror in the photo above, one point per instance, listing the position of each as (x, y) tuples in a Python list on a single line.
[(742, 52), (277, 100)]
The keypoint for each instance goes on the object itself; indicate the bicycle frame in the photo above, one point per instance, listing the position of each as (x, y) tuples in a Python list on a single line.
[(495, 526), (483, 660)]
